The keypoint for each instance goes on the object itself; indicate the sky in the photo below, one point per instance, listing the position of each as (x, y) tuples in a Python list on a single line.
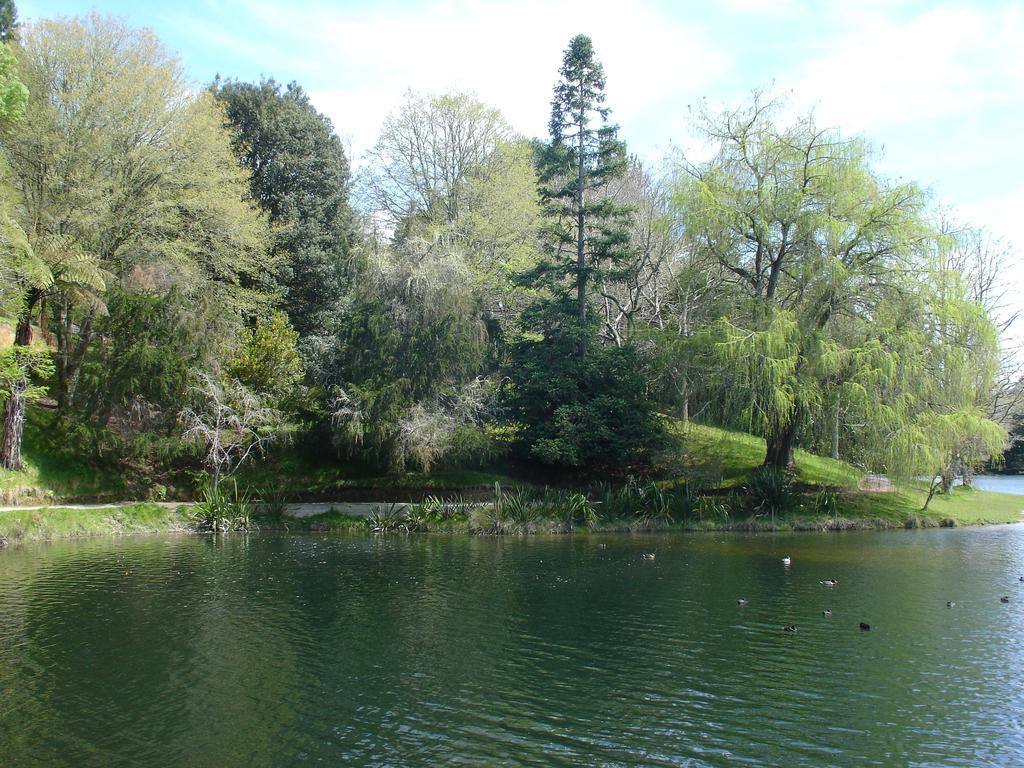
[(937, 87)]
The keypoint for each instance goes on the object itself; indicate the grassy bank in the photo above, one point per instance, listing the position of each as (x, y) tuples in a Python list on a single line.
[(555, 516), (54, 473), (68, 523), (711, 489)]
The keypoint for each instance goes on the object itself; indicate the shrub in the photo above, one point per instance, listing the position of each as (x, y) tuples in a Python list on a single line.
[(225, 509), (388, 518), (770, 489)]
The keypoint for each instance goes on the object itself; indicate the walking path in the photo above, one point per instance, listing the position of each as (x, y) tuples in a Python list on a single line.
[(355, 509)]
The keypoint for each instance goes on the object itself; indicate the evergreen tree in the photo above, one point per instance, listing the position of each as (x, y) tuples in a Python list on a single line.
[(578, 403), (299, 176), (587, 229)]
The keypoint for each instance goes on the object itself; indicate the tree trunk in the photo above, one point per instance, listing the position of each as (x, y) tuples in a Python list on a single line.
[(781, 444), (835, 433), (581, 275), (69, 363), (14, 426), (14, 407)]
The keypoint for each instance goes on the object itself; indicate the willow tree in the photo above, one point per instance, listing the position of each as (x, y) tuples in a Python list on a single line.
[(947, 430), (815, 244)]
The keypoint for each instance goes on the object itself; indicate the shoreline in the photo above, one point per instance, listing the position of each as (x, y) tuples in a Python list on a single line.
[(56, 523)]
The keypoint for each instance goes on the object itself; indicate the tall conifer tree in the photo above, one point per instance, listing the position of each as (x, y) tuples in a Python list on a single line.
[(587, 229)]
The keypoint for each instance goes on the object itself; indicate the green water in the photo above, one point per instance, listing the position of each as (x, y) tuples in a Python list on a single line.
[(315, 650)]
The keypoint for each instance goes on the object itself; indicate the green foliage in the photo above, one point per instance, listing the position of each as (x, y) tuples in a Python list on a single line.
[(13, 93), (646, 502), (299, 176), (585, 230), (271, 503), (433, 512), (428, 154), (388, 518), (224, 509), (587, 412), (414, 334), (24, 371), (142, 352), (771, 490), (267, 361), (833, 318)]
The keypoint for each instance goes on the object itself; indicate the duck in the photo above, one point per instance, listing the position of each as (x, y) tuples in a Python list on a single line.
[(864, 626), (741, 601), (1020, 578), (647, 555), (790, 628), (1004, 599), (827, 613), (829, 582), (950, 604), (787, 560)]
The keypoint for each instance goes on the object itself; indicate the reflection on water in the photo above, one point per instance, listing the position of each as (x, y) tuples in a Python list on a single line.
[(292, 650)]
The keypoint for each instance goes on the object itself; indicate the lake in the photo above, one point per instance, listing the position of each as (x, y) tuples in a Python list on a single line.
[(1000, 483), (279, 650)]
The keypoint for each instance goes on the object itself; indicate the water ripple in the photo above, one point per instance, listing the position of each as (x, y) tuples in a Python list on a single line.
[(292, 650)]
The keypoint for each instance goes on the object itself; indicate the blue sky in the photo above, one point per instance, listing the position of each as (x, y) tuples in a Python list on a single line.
[(938, 87)]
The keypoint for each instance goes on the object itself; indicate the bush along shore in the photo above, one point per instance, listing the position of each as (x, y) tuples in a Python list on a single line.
[(766, 503)]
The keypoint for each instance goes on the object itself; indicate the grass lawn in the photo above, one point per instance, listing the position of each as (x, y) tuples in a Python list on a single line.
[(724, 459)]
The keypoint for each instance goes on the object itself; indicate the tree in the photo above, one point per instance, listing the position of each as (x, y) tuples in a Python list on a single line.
[(588, 413), (299, 176), (13, 93), (20, 367), (577, 403), (949, 432), (119, 172), (580, 160), (8, 21), (415, 333), (428, 152), (811, 240), (229, 421), (267, 362), (843, 315)]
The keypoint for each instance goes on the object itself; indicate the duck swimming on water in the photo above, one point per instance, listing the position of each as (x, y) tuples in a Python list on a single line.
[(864, 626), (787, 560), (647, 555), (790, 628), (741, 601), (1004, 599), (827, 613), (829, 582)]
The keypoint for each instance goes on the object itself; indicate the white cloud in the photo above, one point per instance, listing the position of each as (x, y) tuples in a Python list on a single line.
[(507, 52), (952, 59)]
